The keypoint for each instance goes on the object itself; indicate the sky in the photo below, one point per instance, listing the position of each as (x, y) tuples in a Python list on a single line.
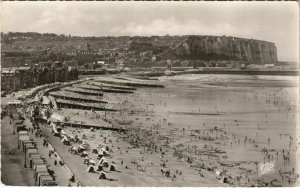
[(276, 22)]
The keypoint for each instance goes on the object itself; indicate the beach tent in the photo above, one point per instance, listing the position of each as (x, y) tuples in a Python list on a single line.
[(73, 150), (100, 168), (102, 160), (84, 154), (105, 148), (225, 180), (95, 151), (80, 149), (112, 168), (65, 141), (86, 160), (102, 176), (99, 156), (92, 162), (102, 152), (105, 164), (91, 168), (63, 132), (71, 138), (85, 144), (55, 132)]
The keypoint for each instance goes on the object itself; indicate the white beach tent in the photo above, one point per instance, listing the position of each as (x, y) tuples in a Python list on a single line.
[(100, 168), (84, 154), (102, 160), (92, 162), (86, 160), (105, 163), (94, 150), (102, 175), (91, 168), (112, 167)]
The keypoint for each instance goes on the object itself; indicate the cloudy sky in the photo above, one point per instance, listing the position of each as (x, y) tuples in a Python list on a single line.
[(271, 21)]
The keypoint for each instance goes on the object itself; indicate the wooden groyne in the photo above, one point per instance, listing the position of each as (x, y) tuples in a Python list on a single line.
[(74, 96), (83, 91), (62, 103), (98, 84), (107, 90), (70, 124), (133, 84)]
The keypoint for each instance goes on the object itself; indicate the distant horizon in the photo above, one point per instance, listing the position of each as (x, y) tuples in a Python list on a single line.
[(276, 22)]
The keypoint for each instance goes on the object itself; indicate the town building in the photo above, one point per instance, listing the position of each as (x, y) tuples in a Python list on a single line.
[(16, 78)]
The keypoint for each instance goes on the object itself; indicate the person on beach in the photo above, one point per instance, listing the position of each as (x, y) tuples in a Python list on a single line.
[(55, 162)]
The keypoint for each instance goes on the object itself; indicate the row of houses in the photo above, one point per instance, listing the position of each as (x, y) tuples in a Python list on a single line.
[(16, 78)]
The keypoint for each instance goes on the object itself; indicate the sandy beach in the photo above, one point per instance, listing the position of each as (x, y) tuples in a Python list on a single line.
[(197, 132)]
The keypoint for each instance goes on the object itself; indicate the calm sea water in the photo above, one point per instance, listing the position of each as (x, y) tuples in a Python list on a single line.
[(259, 107)]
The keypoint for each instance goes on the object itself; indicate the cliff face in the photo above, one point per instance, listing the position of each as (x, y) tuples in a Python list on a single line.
[(227, 48)]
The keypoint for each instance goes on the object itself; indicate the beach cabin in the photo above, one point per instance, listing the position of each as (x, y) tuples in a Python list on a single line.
[(28, 145), (46, 181), (28, 154), (20, 126), (32, 157), (23, 132), (39, 168), (36, 161), (269, 65), (39, 174), (15, 103), (21, 139)]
